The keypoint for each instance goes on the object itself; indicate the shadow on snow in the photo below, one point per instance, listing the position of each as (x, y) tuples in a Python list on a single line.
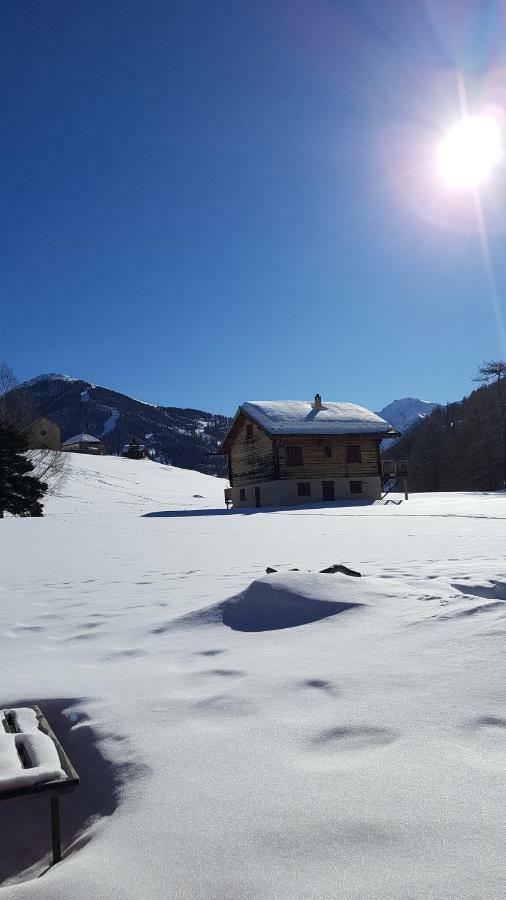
[(25, 831), (248, 511)]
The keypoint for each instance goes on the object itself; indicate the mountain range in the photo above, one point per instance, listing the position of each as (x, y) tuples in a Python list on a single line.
[(188, 438)]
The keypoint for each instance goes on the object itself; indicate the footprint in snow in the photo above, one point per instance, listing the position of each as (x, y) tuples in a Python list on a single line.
[(132, 653), (319, 684), (224, 706), (85, 636), (492, 723), (484, 743), (26, 629), (216, 673), (347, 745)]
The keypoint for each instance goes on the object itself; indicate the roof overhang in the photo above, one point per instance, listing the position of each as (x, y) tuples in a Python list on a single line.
[(227, 440)]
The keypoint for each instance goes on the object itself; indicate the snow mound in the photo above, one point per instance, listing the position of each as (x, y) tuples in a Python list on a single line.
[(277, 601), (41, 753)]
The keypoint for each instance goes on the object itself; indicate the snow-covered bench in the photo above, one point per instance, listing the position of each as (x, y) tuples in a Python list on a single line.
[(33, 762)]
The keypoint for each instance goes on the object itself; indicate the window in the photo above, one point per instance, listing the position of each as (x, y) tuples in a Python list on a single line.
[(327, 451), (43, 431), (303, 488), (249, 432), (294, 456), (242, 493), (355, 487), (353, 453)]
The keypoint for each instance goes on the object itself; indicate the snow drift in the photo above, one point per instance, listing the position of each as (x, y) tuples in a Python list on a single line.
[(277, 601)]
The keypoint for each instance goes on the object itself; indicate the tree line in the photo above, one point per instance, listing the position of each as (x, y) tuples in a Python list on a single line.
[(461, 446)]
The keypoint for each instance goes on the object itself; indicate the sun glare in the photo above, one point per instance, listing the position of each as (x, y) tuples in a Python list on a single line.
[(469, 152)]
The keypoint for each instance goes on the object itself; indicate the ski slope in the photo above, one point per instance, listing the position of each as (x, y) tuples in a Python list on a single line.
[(243, 735)]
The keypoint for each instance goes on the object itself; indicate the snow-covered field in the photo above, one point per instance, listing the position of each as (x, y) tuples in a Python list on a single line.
[(359, 755)]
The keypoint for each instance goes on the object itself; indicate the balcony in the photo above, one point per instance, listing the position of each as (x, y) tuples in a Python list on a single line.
[(393, 468)]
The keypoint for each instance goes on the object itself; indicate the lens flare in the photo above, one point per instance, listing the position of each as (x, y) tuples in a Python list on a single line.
[(469, 152)]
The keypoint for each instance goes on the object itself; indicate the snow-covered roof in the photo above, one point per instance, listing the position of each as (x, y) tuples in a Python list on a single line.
[(81, 439), (303, 417)]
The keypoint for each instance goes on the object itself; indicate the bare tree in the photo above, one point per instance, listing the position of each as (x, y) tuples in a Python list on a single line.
[(7, 384), (17, 413), (490, 371), (16, 407), (51, 466)]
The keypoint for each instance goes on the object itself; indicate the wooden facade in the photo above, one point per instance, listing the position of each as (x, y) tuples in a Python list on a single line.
[(255, 456), (269, 469)]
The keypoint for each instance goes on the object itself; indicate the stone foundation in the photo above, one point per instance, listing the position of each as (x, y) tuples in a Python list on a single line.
[(285, 492)]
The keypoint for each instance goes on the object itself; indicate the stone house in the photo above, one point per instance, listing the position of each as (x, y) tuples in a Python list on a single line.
[(43, 434), (84, 443)]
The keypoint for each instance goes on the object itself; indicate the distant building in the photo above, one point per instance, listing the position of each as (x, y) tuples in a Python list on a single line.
[(288, 452), (84, 443), (43, 434), (136, 451)]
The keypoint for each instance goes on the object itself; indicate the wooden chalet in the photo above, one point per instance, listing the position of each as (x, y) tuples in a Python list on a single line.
[(289, 452)]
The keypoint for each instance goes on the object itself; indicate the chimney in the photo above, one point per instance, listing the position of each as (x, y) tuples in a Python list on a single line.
[(317, 401)]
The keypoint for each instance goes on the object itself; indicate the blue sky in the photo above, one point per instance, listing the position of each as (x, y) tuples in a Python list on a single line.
[(213, 202)]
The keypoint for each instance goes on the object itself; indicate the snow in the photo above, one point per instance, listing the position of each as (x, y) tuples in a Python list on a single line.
[(24, 718), (36, 746), (301, 417), (50, 376), (81, 439), (85, 396), (298, 734), (407, 412), (277, 601), (110, 423)]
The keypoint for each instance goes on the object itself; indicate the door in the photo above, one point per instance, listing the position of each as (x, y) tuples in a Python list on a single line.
[(257, 497), (328, 492)]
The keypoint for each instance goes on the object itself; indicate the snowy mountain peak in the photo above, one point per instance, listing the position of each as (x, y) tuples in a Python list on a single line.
[(405, 413), (49, 376)]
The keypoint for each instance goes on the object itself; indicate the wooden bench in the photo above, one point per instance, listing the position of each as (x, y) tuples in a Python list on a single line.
[(52, 788)]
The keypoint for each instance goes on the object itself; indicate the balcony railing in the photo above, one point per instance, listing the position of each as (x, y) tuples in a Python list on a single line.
[(392, 468)]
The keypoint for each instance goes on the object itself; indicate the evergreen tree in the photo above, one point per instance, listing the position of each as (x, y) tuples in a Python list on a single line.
[(20, 492), (495, 370)]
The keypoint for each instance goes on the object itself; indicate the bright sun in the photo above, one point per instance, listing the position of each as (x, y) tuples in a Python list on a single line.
[(469, 152)]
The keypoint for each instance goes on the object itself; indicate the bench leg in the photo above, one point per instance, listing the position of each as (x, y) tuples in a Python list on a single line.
[(55, 828)]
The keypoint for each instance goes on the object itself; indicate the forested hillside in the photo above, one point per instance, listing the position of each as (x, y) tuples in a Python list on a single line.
[(461, 446), (188, 438)]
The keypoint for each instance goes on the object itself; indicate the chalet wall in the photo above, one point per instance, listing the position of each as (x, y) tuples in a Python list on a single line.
[(251, 459), (261, 458), (317, 465), (285, 492)]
